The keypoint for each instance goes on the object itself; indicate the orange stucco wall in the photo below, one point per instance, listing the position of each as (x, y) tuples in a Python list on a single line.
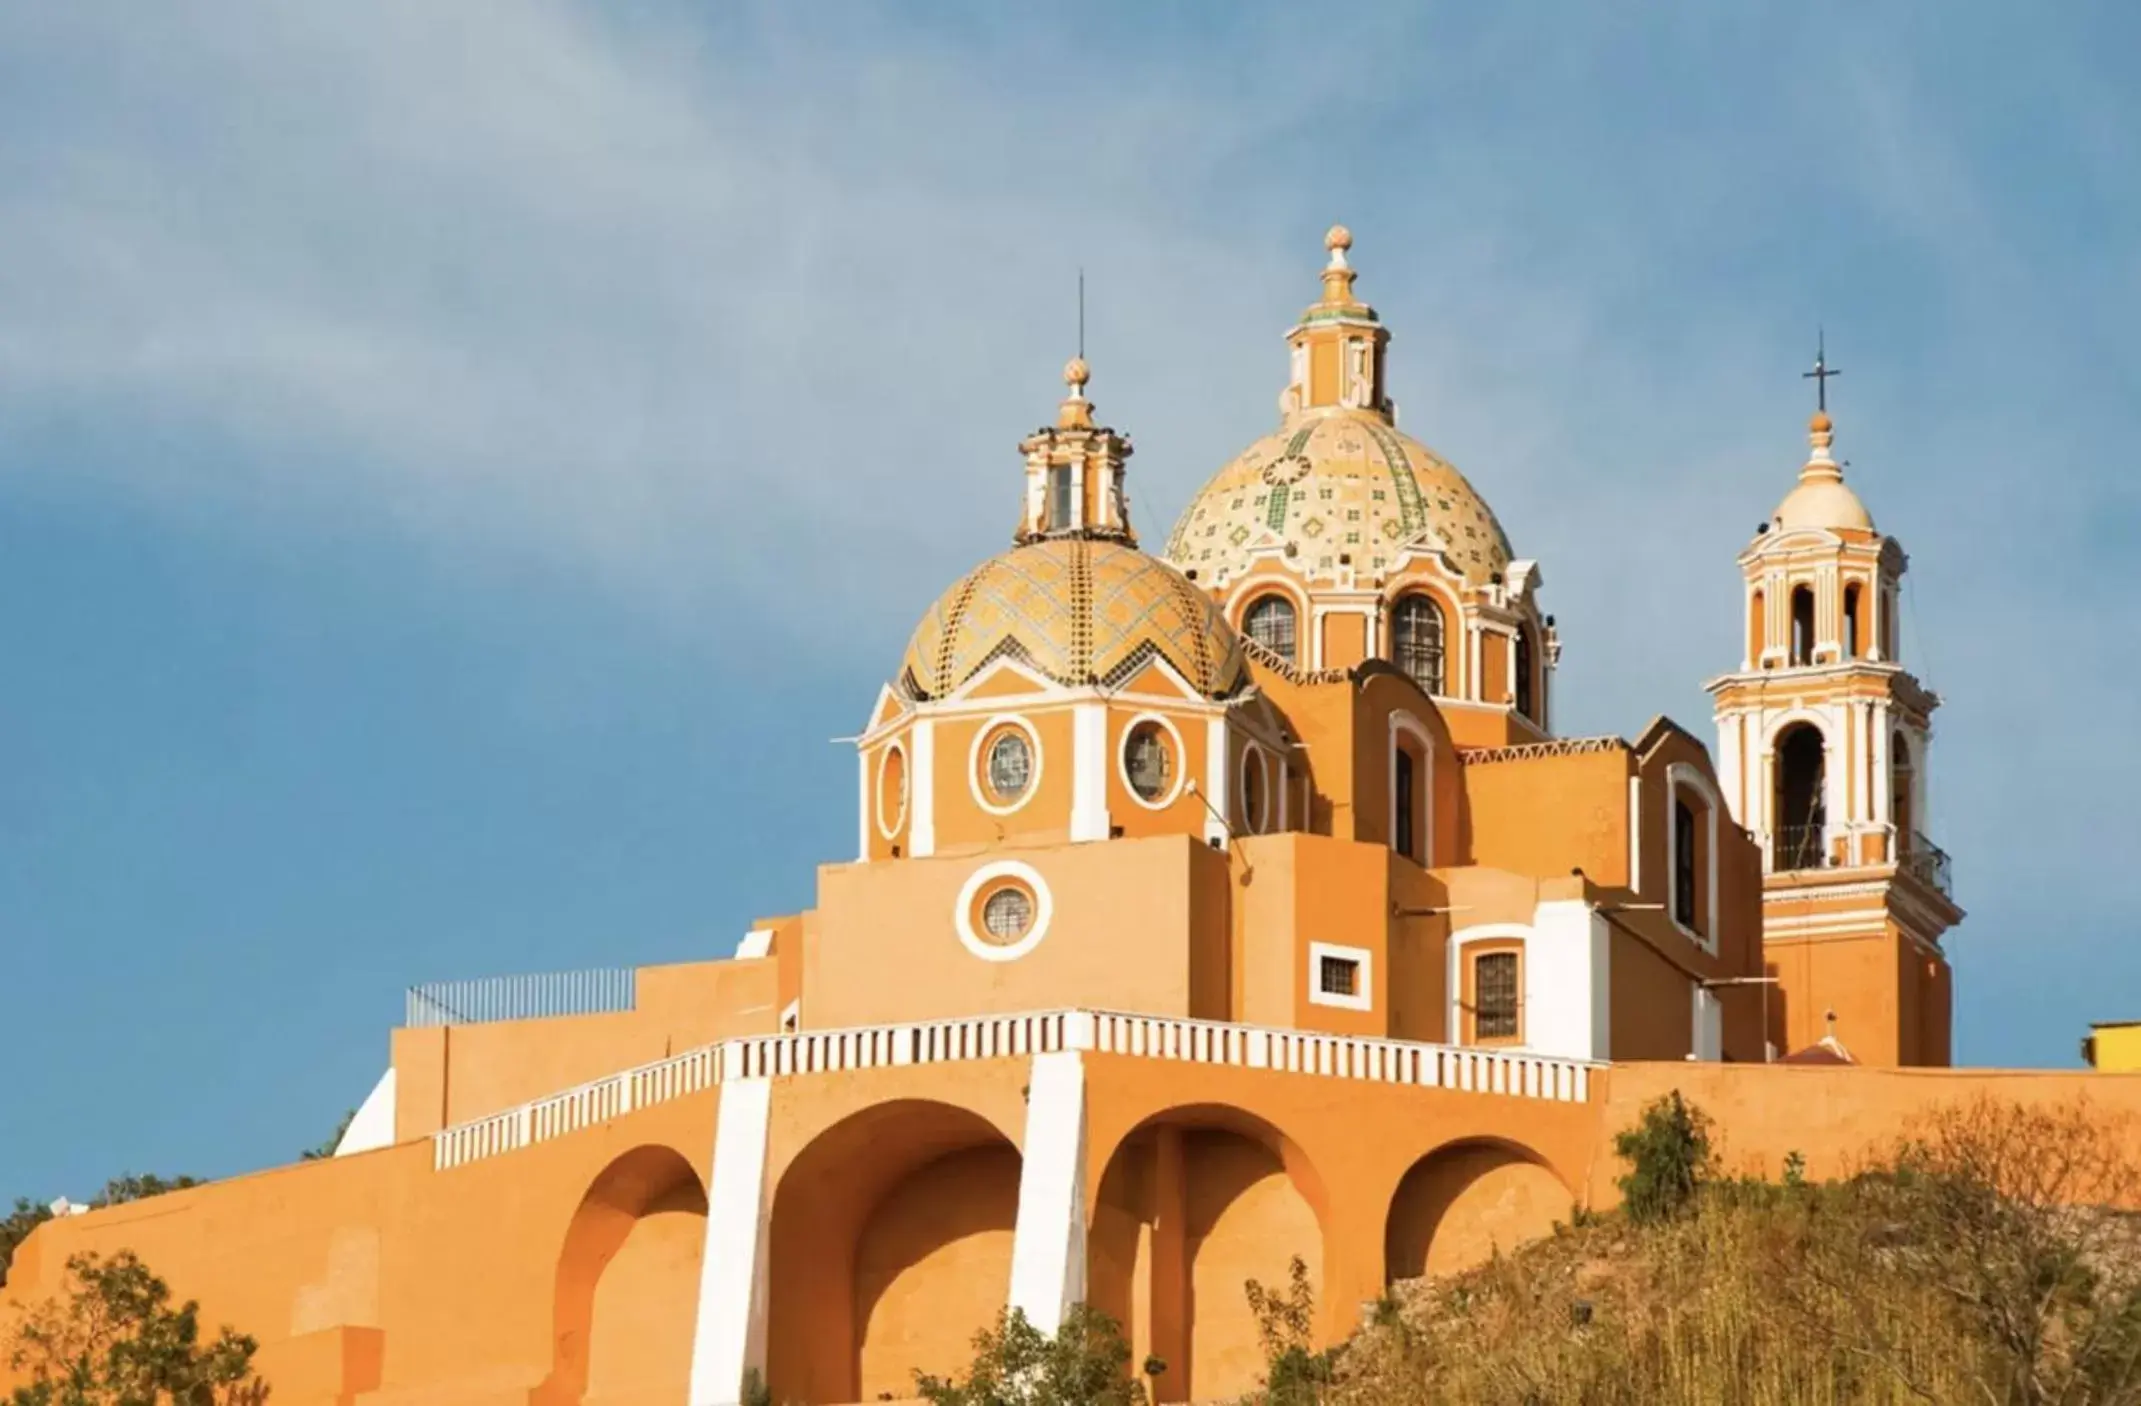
[(450, 1074), (561, 1272), (1124, 933)]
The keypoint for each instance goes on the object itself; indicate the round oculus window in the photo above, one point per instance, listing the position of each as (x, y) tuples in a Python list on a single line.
[(1009, 765), (1007, 914), (1148, 761)]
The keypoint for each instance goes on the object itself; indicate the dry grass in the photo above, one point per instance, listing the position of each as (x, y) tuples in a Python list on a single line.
[(1976, 1260)]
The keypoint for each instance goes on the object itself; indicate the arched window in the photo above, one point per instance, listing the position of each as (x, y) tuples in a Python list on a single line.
[(1524, 671), (1900, 776), (1757, 626), (1416, 641), (1270, 622), (1802, 625), (1684, 911), (1851, 621), (1802, 820), (1401, 779)]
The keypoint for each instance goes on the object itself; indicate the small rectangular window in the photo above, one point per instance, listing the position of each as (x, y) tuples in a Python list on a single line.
[(1340, 977), (1494, 996), (1060, 518)]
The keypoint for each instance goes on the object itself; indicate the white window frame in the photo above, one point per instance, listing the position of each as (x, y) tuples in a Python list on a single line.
[(1363, 999), (1677, 775)]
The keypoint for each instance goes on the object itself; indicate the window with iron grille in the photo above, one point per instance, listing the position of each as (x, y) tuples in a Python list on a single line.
[(1494, 996), (1684, 866), (1010, 765), (1148, 761), (1008, 914), (1416, 641), (1340, 976), (1271, 624)]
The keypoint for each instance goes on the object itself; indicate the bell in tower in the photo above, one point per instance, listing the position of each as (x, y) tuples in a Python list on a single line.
[(1823, 735)]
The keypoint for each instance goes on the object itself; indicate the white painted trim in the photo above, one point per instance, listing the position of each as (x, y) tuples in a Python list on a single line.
[(922, 791), (1568, 980), (1254, 824), (729, 1337), (1401, 721), (884, 758), (1042, 685), (758, 942), (372, 1126), (1361, 957), (1706, 1041), (1048, 1246), (1218, 782), (1089, 772), (1680, 774), (1044, 907), (990, 726), (863, 794), (1181, 757)]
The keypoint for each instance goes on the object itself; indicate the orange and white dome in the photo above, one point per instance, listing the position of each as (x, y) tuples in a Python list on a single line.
[(1343, 484), (1337, 487), (1079, 611), (1822, 499)]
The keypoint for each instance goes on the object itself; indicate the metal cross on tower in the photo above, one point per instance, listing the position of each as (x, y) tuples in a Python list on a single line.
[(1821, 373)]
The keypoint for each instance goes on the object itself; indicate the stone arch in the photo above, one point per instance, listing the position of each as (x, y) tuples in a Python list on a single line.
[(890, 1246), (1466, 1201), (627, 1282), (1193, 1202)]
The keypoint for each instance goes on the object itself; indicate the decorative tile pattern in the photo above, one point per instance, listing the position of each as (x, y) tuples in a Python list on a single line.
[(1077, 611), (1357, 462)]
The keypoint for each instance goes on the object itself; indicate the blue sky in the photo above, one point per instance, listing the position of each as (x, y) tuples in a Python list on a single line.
[(460, 464)]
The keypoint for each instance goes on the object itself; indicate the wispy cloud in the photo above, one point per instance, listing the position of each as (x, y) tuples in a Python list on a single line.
[(752, 304)]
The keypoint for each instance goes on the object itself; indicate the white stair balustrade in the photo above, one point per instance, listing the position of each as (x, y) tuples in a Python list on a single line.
[(1510, 1073)]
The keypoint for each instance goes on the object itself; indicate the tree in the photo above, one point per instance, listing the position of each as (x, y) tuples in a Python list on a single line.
[(1668, 1156), (1286, 1325), (28, 1215), (327, 1149), (113, 1339), (1015, 1364), (16, 1228)]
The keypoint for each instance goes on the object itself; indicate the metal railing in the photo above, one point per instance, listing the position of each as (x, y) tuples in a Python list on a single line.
[(1799, 847), (1927, 862), (1511, 1073), (522, 997)]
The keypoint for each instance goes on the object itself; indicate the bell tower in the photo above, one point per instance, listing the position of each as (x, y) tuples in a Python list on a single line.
[(1823, 744)]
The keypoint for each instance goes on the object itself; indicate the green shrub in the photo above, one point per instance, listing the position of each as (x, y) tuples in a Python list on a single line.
[(1668, 1156), (1086, 1363)]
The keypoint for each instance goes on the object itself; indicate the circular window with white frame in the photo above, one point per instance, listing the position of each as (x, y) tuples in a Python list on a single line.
[(1003, 911), (1151, 761), (1005, 764), (892, 790), (1255, 790)]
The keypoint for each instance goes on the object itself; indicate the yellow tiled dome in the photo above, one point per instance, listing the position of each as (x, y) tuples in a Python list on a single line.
[(1342, 482), (1078, 610)]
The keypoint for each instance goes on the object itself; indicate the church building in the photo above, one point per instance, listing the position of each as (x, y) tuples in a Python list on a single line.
[(1208, 908)]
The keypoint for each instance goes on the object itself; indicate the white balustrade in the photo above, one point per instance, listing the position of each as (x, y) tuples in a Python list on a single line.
[(1358, 1057)]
